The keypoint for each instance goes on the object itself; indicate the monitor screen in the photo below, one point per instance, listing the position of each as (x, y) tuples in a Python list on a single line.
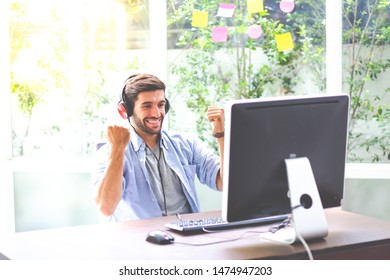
[(261, 133)]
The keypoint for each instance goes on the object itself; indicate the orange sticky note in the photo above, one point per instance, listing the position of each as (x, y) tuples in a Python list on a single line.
[(199, 18), (220, 34), (255, 6), (284, 41)]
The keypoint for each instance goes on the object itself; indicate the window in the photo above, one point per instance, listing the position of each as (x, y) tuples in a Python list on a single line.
[(355, 59), (366, 64), (265, 52), (68, 61)]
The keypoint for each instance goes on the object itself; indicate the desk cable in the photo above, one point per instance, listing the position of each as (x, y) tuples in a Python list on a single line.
[(303, 241), (291, 223), (221, 241)]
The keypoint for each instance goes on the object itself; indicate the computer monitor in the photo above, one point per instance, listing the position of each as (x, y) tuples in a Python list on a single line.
[(261, 133)]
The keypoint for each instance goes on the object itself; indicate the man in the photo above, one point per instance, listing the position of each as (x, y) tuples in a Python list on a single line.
[(145, 171)]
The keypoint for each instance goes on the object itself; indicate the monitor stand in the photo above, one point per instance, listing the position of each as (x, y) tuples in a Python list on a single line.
[(307, 214)]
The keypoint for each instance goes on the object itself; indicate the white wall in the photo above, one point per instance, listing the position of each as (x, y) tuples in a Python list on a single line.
[(367, 190), (6, 183)]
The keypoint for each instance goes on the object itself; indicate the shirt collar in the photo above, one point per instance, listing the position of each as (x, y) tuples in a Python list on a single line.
[(138, 142)]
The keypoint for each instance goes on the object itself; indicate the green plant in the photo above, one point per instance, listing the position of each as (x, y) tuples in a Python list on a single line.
[(208, 73), (28, 95), (366, 35), (57, 74)]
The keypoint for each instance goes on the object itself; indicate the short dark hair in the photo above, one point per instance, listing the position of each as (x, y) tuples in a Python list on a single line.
[(135, 84)]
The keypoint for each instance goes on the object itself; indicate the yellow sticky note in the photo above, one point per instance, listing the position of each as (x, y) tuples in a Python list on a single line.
[(284, 41), (199, 18), (255, 6)]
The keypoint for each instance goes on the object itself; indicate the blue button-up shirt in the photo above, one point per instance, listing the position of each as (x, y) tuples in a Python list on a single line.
[(185, 155)]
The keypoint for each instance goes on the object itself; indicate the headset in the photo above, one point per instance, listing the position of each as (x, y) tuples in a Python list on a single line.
[(125, 109)]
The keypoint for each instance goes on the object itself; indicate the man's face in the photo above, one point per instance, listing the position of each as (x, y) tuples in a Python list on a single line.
[(149, 111)]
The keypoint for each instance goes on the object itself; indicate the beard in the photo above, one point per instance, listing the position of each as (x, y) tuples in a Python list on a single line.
[(155, 124)]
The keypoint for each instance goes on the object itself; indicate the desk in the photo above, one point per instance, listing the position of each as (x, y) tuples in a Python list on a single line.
[(351, 236)]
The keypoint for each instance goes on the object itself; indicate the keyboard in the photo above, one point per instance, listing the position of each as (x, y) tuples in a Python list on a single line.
[(217, 223)]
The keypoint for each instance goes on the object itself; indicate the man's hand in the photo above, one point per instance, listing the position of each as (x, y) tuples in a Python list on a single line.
[(118, 136), (215, 116)]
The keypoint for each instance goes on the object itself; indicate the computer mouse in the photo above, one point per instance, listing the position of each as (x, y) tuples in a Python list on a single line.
[(160, 237)]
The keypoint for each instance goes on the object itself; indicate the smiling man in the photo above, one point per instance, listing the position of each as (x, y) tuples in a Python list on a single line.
[(145, 171)]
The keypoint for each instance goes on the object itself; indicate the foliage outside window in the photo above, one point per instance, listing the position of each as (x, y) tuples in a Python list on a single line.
[(242, 67), (66, 60), (366, 41)]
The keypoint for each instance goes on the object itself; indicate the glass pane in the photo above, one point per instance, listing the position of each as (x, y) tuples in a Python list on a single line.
[(68, 59), (270, 48), (366, 63)]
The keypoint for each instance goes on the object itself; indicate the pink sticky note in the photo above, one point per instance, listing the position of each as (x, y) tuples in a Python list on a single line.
[(226, 10), (255, 31), (284, 42), (220, 34), (199, 18), (287, 6)]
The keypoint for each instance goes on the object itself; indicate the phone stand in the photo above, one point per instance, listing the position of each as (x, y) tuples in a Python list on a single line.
[(308, 217)]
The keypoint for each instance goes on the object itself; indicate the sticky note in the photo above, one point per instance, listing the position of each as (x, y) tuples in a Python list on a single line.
[(255, 31), (199, 18), (284, 41), (220, 34), (226, 10), (287, 6), (255, 6)]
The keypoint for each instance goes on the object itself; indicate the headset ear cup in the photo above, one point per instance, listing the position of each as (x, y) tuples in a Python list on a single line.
[(123, 110), (167, 106)]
